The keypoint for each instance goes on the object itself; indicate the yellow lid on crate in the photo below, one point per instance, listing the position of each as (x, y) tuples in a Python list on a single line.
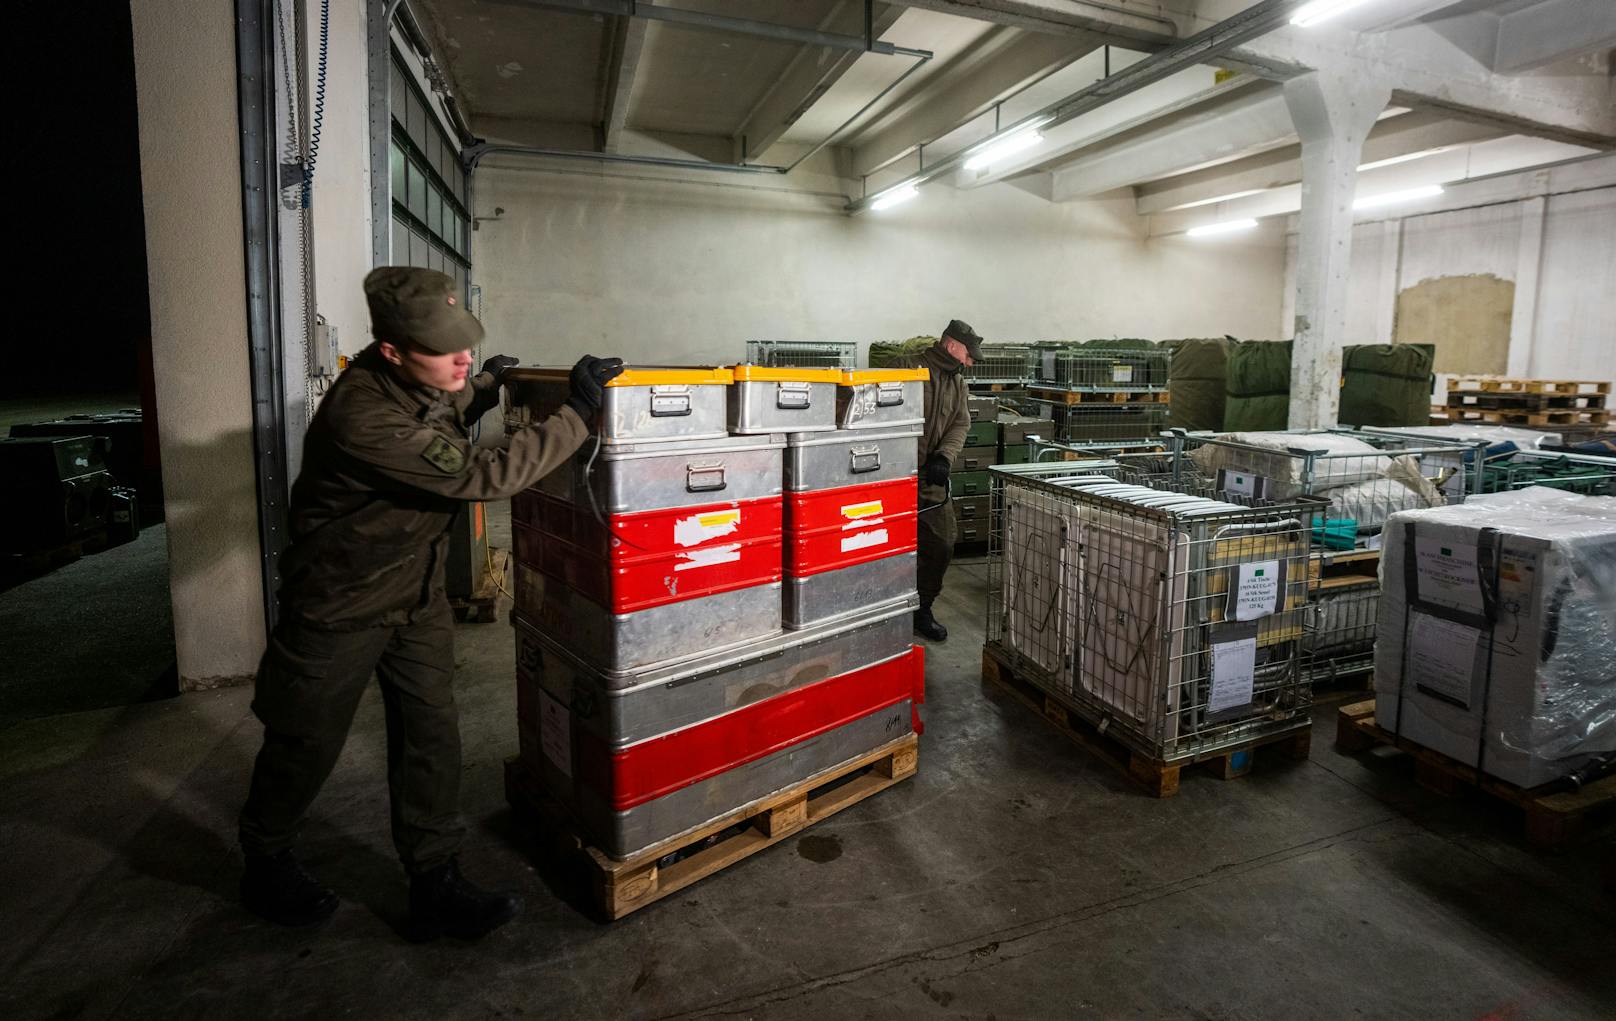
[(784, 374), (648, 376), (853, 377)]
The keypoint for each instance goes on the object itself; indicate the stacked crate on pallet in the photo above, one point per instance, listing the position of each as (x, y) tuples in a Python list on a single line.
[(1102, 394), (968, 482), (1535, 403), (1169, 622), (1002, 367), (664, 685), (1362, 478)]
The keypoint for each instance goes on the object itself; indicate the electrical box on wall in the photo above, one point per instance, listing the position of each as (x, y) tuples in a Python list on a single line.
[(325, 358)]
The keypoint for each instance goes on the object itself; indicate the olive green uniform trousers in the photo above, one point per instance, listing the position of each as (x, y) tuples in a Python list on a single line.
[(935, 549), (309, 685)]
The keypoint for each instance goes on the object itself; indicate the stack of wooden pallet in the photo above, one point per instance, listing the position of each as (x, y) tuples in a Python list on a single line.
[(1535, 403)]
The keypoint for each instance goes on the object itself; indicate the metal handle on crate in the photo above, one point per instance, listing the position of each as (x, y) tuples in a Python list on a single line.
[(864, 459), (791, 395), (705, 478), (888, 395), (669, 403)]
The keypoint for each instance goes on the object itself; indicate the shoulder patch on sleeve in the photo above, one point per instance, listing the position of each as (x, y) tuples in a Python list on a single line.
[(444, 456)]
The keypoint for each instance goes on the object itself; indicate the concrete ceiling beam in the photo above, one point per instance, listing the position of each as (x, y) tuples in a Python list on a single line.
[(1122, 22), (1391, 138), (1249, 124), (807, 78), (1553, 30), (1002, 63), (624, 44)]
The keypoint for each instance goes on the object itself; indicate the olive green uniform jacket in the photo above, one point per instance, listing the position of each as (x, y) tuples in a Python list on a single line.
[(385, 467), (948, 415)]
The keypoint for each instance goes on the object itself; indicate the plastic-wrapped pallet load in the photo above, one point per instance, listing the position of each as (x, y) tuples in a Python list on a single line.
[(1496, 639)]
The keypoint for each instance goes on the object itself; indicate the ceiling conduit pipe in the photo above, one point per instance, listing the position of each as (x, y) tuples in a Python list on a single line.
[(1257, 20)]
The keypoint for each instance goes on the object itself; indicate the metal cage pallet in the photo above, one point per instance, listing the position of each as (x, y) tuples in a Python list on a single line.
[(1158, 778), (1554, 815), (1002, 364), (1492, 384), (619, 887), (1117, 599), (802, 354)]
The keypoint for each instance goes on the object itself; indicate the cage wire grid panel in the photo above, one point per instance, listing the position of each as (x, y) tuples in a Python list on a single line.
[(1171, 620), (1003, 363), (1103, 396), (802, 354)]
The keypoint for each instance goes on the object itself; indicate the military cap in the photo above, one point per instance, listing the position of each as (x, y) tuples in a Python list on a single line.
[(420, 305), (963, 333)]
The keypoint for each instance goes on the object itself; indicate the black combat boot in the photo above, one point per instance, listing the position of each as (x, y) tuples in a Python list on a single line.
[(276, 887), (443, 902), (926, 626)]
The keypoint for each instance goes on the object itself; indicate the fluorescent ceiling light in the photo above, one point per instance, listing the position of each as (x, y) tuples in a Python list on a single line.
[(1322, 10), (893, 196), (1387, 198), (1405, 158), (1007, 146), (1221, 198), (1228, 227)]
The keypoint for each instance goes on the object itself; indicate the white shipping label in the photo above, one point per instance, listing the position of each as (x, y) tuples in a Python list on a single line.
[(1122, 373), (1447, 574), (1256, 590), (1240, 483), (555, 733), (1442, 656), (864, 540), (708, 525), (1375, 541), (1234, 671)]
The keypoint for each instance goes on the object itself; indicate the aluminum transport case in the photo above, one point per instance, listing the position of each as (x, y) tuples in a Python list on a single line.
[(768, 400), (851, 526), (642, 757), (640, 404), (881, 398)]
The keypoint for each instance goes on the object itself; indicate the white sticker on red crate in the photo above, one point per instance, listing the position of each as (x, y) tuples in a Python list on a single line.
[(706, 526), (708, 557), (864, 540)]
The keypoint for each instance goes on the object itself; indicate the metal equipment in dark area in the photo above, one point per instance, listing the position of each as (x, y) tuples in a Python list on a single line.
[(59, 491), (130, 454)]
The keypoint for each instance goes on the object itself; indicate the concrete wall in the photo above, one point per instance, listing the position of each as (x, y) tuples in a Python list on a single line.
[(606, 262), (185, 77), (1515, 281)]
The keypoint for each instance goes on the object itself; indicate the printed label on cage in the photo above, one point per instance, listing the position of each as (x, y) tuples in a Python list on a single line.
[(699, 528), (864, 540), (1255, 592), (708, 557), (1373, 541), (1234, 674), (1122, 373), (1239, 483), (1442, 657), (1447, 574), (1049, 364), (555, 733), (854, 511)]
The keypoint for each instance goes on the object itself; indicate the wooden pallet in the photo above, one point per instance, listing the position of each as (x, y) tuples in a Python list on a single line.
[(620, 887), (1159, 779), (1553, 817), (1071, 397), (1537, 419), (1492, 401), (1491, 384), (483, 606)]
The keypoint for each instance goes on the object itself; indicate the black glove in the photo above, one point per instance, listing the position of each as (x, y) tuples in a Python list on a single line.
[(499, 363), (588, 380), (936, 470)]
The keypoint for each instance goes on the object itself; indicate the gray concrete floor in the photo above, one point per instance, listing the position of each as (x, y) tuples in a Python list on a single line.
[(1014, 877)]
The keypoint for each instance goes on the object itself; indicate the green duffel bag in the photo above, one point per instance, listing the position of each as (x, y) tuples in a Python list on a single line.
[(1197, 378), (1386, 384), (882, 352), (1258, 387)]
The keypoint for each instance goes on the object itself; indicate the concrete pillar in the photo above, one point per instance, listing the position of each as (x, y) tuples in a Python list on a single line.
[(185, 81), (1523, 318), (1333, 114)]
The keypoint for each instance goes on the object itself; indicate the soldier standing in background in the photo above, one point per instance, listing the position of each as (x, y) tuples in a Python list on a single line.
[(948, 417)]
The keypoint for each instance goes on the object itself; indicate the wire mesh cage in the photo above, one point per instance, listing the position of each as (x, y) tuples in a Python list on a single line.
[(1518, 469), (1107, 423), (1003, 363), (802, 354), (1340, 631), (1102, 369), (1172, 620)]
